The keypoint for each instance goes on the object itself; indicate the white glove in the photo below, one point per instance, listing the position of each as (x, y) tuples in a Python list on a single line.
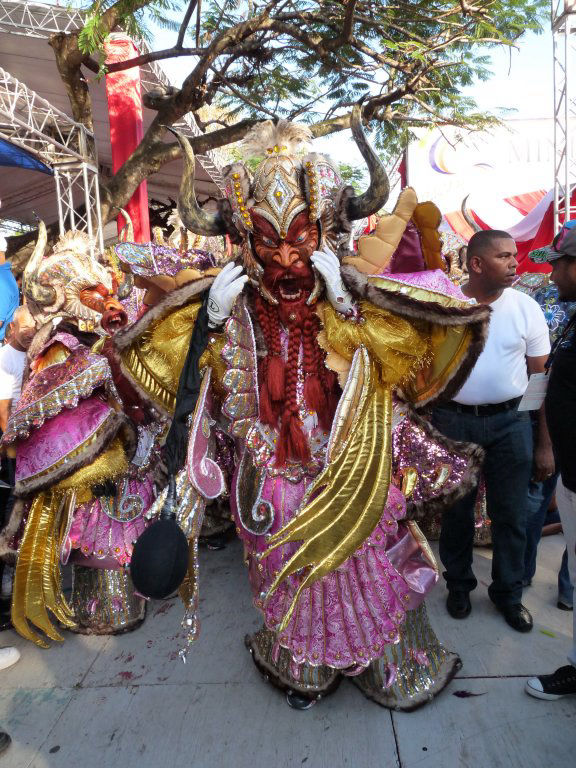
[(224, 291), (328, 265)]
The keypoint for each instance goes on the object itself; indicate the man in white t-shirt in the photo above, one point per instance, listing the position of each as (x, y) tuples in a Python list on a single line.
[(484, 411), (13, 361), (12, 365)]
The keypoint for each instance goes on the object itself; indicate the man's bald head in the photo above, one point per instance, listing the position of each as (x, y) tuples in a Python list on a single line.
[(484, 241)]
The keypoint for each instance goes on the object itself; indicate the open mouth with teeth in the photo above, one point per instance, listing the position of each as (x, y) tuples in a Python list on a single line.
[(114, 320), (290, 289)]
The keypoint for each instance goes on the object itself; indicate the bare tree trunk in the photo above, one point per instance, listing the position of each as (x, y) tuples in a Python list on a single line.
[(69, 62)]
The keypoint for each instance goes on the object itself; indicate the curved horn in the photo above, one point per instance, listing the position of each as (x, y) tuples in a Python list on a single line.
[(125, 286), (361, 206), (468, 217), (40, 294), (127, 232), (193, 217)]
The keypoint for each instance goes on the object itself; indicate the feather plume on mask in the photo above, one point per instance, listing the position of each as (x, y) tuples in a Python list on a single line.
[(281, 138)]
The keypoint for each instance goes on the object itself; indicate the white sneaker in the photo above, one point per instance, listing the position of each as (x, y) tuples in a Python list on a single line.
[(8, 657)]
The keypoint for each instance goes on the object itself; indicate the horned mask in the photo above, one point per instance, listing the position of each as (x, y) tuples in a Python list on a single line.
[(52, 284), (287, 182)]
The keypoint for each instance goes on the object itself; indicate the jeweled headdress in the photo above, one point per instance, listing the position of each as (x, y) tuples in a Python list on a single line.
[(284, 184), (52, 284)]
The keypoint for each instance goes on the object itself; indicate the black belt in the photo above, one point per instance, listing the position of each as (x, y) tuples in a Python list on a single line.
[(490, 409)]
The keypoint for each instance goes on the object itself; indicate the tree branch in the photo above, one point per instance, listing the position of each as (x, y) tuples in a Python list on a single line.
[(146, 58), (111, 17), (349, 20), (185, 21)]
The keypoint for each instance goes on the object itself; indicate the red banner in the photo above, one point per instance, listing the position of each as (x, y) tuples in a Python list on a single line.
[(126, 128)]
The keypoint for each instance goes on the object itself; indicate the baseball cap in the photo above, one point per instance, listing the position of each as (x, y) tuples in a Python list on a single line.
[(564, 244)]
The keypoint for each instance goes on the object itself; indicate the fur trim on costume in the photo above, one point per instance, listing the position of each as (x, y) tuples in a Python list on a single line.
[(475, 454), (106, 433), (475, 317), (405, 306), (342, 223), (7, 554), (175, 299), (41, 338), (225, 210), (450, 666)]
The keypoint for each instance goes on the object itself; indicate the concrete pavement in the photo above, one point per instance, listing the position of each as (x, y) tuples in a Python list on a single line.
[(129, 702)]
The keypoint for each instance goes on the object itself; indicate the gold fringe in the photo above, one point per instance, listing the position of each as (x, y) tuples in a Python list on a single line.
[(37, 581)]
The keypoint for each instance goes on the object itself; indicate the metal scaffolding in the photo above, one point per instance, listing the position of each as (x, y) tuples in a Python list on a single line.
[(68, 148), (31, 122), (564, 37), (38, 20)]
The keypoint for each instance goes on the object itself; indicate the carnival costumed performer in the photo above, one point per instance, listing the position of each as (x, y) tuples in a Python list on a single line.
[(82, 475), (299, 353)]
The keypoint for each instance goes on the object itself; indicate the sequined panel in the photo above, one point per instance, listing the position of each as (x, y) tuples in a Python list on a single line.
[(413, 671), (441, 469), (241, 405), (276, 662), (104, 601), (237, 329), (237, 357), (239, 353), (150, 259), (261, 445), (238, 380), (256, 515), (55, 388)]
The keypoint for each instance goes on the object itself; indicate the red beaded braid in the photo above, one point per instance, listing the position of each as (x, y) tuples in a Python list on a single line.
[(292, 443), (313, 390), (278, 379), (271, 370)]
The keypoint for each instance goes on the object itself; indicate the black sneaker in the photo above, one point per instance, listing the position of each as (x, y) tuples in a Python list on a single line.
[(555, 686), (458, 604)]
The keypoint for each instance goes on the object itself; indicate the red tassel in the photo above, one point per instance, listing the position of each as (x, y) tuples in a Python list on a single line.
[(314, 394), (292, 443), (267, 415), (275, 378)]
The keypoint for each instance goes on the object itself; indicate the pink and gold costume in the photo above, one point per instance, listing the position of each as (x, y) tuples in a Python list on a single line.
[(82, 486), (333, 463)]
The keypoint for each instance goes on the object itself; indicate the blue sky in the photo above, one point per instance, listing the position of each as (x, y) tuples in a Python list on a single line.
[(522, 80)]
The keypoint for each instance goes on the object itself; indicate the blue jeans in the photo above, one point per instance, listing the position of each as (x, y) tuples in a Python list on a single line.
[(539, 497), (507, 441), (565, 587)]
